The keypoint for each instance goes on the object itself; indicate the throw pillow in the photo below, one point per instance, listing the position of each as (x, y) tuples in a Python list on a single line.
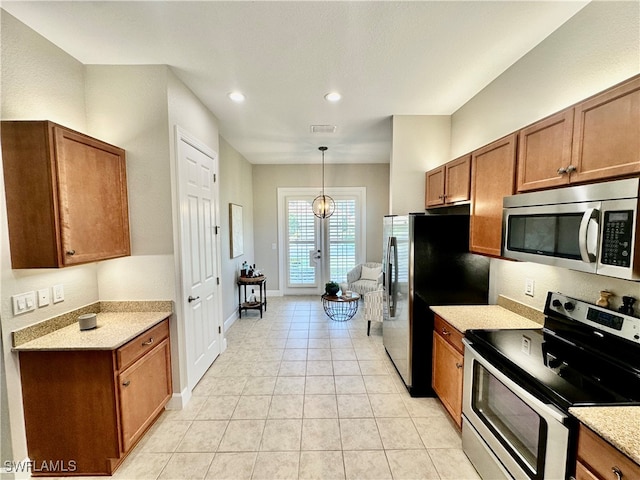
[(369, 273)]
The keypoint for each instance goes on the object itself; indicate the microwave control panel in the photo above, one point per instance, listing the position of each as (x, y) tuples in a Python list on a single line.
[(616, 238)]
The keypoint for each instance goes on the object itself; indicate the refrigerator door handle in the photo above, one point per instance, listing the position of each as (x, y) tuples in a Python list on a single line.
[(393, 275)]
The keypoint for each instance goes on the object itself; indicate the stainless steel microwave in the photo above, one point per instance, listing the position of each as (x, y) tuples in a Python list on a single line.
[(591, 228)]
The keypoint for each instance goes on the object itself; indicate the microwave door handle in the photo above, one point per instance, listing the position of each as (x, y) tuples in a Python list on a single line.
[(583, 234)]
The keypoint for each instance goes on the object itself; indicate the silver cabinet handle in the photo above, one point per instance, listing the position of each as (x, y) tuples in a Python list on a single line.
[(192, 299), (571, 168), (126, 383), (458, 365), (71, 252), (445, 332), (148, 342), (617, 472), (562, 171)]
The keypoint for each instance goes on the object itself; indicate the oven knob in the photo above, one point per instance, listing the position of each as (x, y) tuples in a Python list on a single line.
[(556, 303), (569, 306)]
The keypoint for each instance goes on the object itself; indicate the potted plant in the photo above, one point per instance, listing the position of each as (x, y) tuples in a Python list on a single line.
[(331, 288)]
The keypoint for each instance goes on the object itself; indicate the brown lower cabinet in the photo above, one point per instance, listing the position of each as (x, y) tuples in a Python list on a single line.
[(599, 460), (447, 367), (86, 409)]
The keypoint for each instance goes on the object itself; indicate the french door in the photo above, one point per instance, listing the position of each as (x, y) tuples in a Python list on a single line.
[(315, 250)]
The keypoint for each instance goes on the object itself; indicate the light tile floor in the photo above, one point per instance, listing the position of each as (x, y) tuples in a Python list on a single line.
[(298, 396)]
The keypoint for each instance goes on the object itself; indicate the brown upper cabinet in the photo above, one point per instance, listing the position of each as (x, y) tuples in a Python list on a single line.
[(597, 139), (606, 134), (450, 183), (66, 196), (544, 152), (493, 178)]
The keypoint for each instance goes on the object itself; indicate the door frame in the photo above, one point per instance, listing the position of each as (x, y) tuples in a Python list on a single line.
[(284, 192), (181, 135)]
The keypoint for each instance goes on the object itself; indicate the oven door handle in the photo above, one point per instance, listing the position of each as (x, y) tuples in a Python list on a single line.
[(585, 240), (545, 410)]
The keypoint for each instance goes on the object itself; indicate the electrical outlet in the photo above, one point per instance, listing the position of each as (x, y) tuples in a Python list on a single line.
[(528, 287), (24, 302), (43, 297), (525, 346), (58, 293)]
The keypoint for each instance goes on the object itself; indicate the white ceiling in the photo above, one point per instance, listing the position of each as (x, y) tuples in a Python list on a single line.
[(385, 58)]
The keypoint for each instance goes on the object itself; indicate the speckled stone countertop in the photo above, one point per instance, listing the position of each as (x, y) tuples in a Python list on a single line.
[(117, 323), (469, 317), (620, 426)]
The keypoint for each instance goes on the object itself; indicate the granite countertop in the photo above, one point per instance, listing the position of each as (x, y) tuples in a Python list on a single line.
[(470, 317), (620, 426), (113, 330)]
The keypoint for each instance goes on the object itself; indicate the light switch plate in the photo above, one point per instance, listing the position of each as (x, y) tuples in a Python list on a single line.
[(58, 293), (24, 302), (528, 287), (44, 297)]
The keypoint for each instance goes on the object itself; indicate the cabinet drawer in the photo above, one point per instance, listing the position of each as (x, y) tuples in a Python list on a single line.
[(144, 342), (450, 334), (603, 459)]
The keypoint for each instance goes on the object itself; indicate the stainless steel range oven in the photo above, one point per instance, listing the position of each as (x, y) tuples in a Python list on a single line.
[(520, 384)]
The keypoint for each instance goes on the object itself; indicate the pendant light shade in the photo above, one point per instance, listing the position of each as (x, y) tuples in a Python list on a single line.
[(323, 205)]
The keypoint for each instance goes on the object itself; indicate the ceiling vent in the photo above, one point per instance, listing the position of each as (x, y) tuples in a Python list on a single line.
[(323, 128)]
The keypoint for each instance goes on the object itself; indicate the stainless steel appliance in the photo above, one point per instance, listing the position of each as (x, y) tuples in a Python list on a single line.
[(426, 261), (591, 228), (520, 384)]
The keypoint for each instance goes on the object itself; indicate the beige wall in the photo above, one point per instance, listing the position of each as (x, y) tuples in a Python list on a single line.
[(38, 81), (237, 176), (135, 107), (420, 143), (268, 178), (595, 49)]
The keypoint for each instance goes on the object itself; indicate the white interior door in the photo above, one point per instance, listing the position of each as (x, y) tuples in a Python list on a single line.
[(200, 289)]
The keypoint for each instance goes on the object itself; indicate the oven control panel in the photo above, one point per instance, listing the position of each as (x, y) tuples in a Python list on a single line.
[(604, 319)]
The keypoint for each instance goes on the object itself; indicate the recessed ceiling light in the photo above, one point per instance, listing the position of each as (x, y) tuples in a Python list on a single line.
[(333, 97), (237, 97)]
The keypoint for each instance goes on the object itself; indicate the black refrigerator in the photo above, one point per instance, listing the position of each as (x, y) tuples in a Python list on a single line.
[(426, 261)]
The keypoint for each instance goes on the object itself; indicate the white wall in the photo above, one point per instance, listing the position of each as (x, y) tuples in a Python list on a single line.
[(420, 143)]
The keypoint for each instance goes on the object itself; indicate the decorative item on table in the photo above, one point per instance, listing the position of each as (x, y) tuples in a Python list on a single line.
[(603, 301), (627, 305), (252, 298), (331, 288), (347, 293)]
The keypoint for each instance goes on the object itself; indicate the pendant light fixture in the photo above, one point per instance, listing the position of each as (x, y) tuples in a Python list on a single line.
[(323, 205)]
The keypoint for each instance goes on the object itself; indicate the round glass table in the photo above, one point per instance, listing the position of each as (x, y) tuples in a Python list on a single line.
[(340, 308)]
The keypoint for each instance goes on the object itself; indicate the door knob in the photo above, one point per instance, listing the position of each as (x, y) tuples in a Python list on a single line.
[(192, 299)]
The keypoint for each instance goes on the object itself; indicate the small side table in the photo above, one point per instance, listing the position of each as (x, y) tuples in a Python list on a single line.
[(340, 308), (261, 283)]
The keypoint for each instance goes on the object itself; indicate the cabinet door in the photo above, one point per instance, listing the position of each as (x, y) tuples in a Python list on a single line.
[(492, 178), (458, 180), (92, 197), (607, 134), (447, 376), (434, 187), (544, 152), (583, 473), (145, 388)]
